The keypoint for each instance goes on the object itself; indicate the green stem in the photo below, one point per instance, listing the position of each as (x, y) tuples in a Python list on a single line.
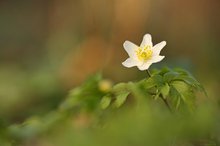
[(148, 72)]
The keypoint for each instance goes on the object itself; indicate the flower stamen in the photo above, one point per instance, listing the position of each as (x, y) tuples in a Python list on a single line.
[(143, 54)]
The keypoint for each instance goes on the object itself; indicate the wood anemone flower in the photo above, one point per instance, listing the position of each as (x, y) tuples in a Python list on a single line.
[(144, 55)]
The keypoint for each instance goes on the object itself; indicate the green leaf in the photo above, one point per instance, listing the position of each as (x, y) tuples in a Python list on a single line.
[(169, 76), (190, 99), (121, 92), (175, 97), (105, 102), (180, 86), (120, 87), (165, 90), (184, 92), (164, 71), (158, 80), (155, 80), (149, 83), (121, 98), (181, 71), (190, 81), (174, 93)]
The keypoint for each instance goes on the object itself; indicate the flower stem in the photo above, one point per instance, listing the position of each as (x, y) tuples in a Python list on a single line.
[(148, 72)]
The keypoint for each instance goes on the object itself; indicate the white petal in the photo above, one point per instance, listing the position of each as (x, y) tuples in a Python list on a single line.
[(130, 48), (130, 63), (147, 41), (145, 66), (156, 59), (158, 47)]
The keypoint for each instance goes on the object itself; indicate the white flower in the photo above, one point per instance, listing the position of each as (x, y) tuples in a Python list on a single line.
[(144, 55)]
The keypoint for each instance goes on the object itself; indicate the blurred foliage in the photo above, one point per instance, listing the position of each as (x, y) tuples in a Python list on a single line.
[(124, 114), (49, 47)]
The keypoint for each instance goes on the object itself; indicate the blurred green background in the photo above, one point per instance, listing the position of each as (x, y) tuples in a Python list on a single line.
[(49, 47)]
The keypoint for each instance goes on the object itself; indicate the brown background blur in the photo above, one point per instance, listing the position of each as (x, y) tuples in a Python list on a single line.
[(49, 46)]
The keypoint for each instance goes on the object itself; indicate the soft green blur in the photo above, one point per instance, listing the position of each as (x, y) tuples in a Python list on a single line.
[(49, 47)]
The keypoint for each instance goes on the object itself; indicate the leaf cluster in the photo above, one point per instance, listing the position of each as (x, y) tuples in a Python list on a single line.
[(176, 87)]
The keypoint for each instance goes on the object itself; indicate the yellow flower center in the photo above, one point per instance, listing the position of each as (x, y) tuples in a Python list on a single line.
[(143, 54)]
